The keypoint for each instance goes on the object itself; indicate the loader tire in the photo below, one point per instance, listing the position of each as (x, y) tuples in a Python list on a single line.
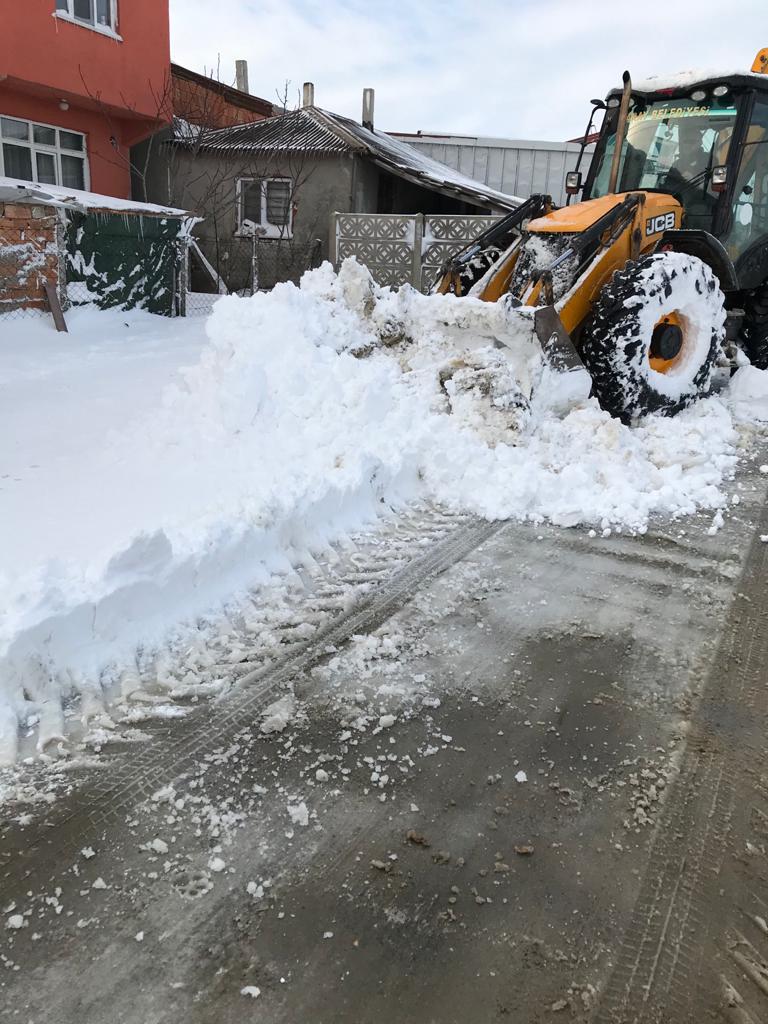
[(754, 332), (654, 336)]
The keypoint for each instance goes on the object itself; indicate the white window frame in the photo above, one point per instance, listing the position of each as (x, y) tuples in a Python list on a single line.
[(264, 228), (94, 26), (56, 151)]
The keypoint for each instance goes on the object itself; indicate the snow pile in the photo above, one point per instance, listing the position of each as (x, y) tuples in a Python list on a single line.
[(748, 394), (125, 514)]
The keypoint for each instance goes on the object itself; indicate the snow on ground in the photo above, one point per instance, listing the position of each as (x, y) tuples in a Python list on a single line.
[(135, 495)]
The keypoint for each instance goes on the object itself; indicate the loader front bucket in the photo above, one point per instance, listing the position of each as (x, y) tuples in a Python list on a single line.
[(567, 382)]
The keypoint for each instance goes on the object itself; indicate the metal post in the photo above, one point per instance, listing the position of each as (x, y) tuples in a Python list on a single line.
[(333, 240), (418, 237)]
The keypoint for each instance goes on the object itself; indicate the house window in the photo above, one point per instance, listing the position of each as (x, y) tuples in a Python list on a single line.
[(42, 153), (100, 14), (264, 206)]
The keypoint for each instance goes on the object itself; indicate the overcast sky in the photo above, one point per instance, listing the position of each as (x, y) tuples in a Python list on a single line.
[(517, 69)]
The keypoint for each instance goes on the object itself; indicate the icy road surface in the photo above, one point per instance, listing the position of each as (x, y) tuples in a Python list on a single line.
[(506, 797)]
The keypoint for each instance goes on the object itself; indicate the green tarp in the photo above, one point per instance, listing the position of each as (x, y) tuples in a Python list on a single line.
[(123, 260)]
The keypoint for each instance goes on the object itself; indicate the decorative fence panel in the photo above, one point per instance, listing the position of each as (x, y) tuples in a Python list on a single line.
[(444, 236), (402, 248), (388, 244)]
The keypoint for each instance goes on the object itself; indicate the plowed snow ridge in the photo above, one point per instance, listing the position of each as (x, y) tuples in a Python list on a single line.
[(305, 410)]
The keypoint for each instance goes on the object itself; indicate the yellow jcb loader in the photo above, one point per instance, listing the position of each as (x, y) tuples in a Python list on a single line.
[(661, 270)]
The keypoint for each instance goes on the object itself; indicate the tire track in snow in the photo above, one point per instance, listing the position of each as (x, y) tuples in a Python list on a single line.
[(685, 955), (135, 776)]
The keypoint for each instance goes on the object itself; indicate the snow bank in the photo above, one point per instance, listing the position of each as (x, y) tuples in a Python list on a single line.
[(126, 513), (748, 394)]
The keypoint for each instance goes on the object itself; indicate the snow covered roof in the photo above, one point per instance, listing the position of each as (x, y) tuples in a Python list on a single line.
[(314, 131), (16, 190), (696, 76)]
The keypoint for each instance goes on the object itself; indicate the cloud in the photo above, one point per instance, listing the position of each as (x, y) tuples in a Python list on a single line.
[(514, 69)]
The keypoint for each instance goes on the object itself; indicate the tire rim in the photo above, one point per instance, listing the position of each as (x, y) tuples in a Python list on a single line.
[(668, 345)]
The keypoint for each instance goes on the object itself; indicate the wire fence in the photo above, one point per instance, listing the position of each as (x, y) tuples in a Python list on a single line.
[(244, 271), (269, 262), (199, 303)]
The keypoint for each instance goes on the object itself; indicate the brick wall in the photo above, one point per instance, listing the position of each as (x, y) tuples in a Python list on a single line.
[(30, 248)]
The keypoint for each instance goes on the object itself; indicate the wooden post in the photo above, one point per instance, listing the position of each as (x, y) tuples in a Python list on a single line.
[(53, 302)]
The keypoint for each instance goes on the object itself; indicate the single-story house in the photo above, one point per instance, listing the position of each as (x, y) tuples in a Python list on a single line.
[(266, 190)]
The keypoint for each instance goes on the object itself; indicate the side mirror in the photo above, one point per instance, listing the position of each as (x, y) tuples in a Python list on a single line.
[(719, 178), (573, 183)]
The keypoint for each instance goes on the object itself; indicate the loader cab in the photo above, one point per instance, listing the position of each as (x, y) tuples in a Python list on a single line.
[(706, 144)]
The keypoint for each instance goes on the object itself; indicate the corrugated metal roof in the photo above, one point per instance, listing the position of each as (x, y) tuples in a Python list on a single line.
[(315, 131), (297, 131)]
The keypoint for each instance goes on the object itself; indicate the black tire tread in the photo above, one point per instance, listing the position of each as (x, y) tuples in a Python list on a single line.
[(606, 354)]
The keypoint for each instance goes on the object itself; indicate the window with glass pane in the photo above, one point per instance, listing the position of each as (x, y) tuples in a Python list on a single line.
[(62, 5), (278, 202), (13, 129), (39, 153), (82, 9), (17, 161), (44, 136), (71, 140), (46, 168), (750, 197), (72, 172), (104, 12), (250, 199)]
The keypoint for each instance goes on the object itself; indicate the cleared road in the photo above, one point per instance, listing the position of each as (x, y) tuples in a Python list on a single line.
[(526, 786)]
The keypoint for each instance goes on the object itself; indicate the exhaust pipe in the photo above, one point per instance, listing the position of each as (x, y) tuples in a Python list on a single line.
[(621, 127)]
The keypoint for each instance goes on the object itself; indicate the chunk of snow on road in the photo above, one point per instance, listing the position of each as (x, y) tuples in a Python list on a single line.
[(299, 814), (322, 775), (165, 795), (15, 922), (217, 865), (748, 395), (521, 777), (250, 990), (139, 936), (158, 846), (278, 715), (387, 721), (99, 883), (87, 852)]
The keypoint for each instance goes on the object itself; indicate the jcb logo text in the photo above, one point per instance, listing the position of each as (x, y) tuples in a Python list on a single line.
[(664, 222)]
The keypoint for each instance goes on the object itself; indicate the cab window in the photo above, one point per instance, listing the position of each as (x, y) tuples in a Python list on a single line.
[(750, 197)]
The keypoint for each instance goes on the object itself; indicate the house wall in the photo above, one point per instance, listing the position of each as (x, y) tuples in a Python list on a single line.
[(115, 85), (211, 104), (206, 184)]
